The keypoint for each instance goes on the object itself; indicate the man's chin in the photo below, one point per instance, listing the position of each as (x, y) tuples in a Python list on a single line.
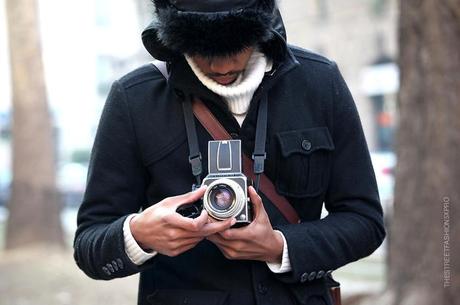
[(225, 80)]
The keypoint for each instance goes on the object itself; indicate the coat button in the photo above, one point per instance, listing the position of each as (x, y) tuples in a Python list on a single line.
[(235, 135), (115, 265), (304, 277), (320, 274), (110, 268), (312, 276), (120, 263), (106, 270), (180, 94), (306, 145), (262, 288)]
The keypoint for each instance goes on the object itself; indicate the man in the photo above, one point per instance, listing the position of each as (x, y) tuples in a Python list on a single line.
[(230, 55)]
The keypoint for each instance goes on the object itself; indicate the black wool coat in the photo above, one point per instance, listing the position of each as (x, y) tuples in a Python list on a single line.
[(316, 154)]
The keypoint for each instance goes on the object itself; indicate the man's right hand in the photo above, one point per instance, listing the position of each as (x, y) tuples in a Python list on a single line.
[(162, 229)]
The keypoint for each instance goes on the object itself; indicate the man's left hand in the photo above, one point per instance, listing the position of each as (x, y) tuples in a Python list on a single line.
[(256, 241)]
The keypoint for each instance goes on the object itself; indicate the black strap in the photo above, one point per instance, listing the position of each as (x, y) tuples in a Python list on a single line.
[(194, 150), (259, 154)]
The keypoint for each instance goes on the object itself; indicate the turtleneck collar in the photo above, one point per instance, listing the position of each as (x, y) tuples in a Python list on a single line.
[(238, 95)]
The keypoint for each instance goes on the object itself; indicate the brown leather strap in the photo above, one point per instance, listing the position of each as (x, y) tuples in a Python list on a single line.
[(335, 295), (218, 132)]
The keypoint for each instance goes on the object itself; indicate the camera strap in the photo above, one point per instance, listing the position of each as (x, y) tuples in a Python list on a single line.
[(194, 156), (259, 154)]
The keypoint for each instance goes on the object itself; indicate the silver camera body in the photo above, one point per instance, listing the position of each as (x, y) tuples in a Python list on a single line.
[(226, 195)]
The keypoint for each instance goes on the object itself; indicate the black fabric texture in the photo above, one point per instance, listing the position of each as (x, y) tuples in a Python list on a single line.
[(208, 34), (212, 6), (217, 28)]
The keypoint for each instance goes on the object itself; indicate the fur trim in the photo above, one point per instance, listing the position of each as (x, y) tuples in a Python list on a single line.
[(213, 34)]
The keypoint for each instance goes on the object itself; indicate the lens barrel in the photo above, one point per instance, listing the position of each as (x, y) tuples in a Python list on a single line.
[(224, 198)]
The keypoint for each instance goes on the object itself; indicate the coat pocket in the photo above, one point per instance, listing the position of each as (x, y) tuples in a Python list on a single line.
[(303, 161), (187, 296)]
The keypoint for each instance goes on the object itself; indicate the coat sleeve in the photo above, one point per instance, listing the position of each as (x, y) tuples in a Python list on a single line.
[(354, 227), (115, 188)]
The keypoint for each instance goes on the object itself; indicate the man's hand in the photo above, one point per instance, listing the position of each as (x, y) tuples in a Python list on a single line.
[(162, 229), (257, 241)]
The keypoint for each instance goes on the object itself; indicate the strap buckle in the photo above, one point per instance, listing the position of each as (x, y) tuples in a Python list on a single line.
[(259, 160), (195, 161)]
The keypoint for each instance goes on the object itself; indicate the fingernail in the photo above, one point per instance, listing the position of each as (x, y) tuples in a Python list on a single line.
[(233, 221)]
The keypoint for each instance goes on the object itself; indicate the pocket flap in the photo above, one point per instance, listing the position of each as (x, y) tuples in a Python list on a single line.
[(187, 296), (305, 141)]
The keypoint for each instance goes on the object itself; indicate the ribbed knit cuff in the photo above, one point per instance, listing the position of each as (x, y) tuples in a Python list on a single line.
[(285, 265), (135, 253)]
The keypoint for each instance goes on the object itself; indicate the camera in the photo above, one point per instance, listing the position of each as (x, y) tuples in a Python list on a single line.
[(226, 195)]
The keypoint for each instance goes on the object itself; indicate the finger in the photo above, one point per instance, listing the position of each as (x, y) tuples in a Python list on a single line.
[(186, 248), (230, 251), (256, 201), (188, 224), (220, 247), (219, 240), (180, 243), (235, 252), (176, 201), (218, 226), (216, 239), (180, 250), (233, 234)]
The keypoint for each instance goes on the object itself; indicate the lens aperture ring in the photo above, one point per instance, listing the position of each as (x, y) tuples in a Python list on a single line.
[(225, 188)]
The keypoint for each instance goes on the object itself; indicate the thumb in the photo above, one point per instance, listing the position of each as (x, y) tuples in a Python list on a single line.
[(256, 202), (190, 197)]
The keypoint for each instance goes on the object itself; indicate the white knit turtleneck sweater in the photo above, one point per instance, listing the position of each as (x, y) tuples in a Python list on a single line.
[(238, 95)]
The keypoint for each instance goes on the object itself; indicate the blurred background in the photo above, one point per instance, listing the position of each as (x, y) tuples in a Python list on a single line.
[(86, 45)]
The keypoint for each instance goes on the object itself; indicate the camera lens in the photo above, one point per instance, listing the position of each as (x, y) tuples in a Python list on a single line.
[(224, 198), (221, 197)]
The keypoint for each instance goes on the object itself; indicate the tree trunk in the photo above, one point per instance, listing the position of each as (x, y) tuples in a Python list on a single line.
[(424, 249), (34, 206)]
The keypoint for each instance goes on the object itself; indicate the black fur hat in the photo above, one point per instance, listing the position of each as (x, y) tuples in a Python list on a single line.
[(213, 27)]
